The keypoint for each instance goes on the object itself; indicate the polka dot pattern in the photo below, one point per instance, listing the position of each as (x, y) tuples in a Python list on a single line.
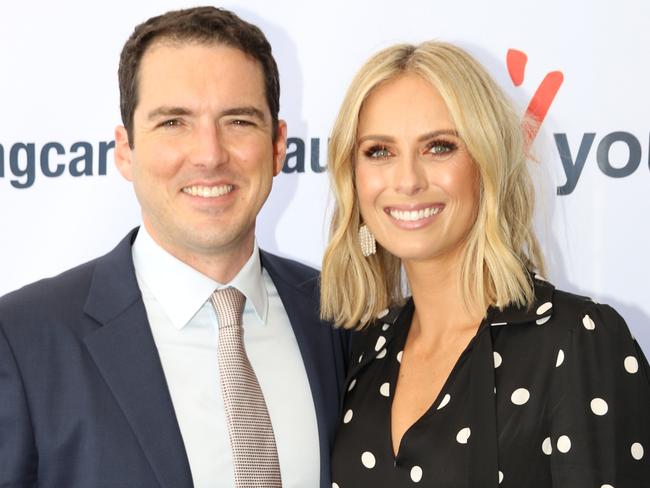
[(368, 460), (631, 364), (547, 446), (543, 308), (553, 351), (416, 474), (564, 444), (383, 313), (463, 435), (348, 416), (444, 401), (637, 451), (497, 359), (599, 406), (520, 396)]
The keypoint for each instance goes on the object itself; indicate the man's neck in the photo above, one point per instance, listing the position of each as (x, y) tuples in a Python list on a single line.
[(220, 265)]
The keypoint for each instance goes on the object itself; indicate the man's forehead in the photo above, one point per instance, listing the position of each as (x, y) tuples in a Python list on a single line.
[(162, 72), (173, 42), (169, 57)]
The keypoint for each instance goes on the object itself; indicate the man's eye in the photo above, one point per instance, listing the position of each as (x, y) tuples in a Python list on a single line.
[(241, 122), (170, 123), (377, 152)]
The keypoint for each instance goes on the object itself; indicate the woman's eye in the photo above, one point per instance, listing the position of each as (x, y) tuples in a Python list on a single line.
[(377, 152), (442, 149)]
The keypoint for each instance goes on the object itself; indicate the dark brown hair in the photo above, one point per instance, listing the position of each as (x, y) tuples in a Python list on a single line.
[(199, 24)]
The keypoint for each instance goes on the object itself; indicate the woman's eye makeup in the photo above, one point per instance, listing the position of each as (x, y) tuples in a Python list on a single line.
[(442, 148), (439, 149), (377, 152)]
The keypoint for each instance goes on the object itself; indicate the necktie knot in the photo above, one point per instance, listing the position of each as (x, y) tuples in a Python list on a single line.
[(228, 304)]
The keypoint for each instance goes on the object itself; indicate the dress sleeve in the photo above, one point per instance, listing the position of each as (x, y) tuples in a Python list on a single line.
[(600, 406)]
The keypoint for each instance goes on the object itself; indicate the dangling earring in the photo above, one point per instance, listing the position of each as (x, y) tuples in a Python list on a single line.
[(367, 241)]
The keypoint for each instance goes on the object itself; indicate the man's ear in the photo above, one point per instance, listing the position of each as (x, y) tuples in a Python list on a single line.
[(123, 153), (279, 147)]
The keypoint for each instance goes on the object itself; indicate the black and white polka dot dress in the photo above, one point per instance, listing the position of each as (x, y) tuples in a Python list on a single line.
[(555, 396)]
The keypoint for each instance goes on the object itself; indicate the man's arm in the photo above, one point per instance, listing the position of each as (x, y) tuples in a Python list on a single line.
[(18, 455)]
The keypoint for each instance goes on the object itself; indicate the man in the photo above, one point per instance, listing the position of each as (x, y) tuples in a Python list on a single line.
[(113, 374)]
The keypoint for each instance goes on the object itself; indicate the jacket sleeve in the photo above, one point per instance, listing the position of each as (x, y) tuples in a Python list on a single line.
[(600, 406), (18, 455)]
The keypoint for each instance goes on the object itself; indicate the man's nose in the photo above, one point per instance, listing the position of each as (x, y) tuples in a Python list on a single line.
[(208, 146)]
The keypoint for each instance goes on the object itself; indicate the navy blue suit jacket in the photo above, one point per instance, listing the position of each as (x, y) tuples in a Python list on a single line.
[(83, 398)]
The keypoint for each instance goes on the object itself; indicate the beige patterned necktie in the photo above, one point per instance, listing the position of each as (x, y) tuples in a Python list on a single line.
[(252, 441)]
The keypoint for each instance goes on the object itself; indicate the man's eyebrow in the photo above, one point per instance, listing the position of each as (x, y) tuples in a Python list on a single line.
[(250, 110), (167, 112)]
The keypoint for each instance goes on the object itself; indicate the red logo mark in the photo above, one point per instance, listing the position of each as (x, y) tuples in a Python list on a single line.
[(544, 95)]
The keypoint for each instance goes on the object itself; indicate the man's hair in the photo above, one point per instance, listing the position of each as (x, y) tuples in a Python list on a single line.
[(205, 25), (501, 247)]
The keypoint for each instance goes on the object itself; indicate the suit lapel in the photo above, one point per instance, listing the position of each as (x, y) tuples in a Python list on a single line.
[(125, 354)]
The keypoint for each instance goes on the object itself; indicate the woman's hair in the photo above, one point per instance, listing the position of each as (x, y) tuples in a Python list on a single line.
[(501, 246)]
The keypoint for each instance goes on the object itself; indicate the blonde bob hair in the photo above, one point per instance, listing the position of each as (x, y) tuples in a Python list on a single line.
[(501, 247)]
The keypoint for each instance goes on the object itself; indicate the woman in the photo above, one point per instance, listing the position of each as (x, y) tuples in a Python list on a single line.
[(486, 375)]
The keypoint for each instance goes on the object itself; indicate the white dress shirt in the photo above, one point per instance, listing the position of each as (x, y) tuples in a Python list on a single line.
[(185, 330)]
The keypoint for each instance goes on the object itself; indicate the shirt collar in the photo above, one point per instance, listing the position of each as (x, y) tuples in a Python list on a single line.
[(181, 290)]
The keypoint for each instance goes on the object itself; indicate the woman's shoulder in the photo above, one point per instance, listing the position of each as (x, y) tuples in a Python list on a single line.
[(559, 321), (560, 312)]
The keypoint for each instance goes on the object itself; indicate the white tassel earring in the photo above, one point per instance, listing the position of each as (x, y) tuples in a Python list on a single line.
[(367, 241)]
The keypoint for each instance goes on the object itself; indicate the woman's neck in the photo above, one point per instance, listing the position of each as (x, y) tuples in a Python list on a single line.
[(440, 310)]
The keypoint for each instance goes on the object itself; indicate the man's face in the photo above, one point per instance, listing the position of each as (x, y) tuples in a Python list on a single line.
[(203, 156)]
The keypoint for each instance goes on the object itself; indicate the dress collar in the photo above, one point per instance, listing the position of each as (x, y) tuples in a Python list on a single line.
[(181, 290), (381, 332), (539, 312)]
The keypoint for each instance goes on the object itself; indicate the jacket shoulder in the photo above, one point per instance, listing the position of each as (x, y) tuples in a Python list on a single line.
[(64, 290), (290, 271)]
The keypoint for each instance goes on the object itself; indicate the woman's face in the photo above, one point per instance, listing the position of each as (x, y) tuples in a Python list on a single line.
[(417, 185)]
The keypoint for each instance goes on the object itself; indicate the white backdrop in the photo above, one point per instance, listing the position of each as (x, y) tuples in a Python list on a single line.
[(59, 85)]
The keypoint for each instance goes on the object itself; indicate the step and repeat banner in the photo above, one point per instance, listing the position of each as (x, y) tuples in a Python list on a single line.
[(581, 64)]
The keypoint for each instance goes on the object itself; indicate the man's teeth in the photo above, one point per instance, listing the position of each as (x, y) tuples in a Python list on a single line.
[(413, 215), (208, 191)]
